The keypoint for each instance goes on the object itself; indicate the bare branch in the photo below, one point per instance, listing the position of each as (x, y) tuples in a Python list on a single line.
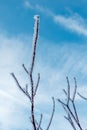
[(61, 102), (35, 42), (37, 84), (68, 91), (39, 125), (36, 123), (74, 94), (72, 115), (82, 96), (25, 68), (65, 92), (32, 103), (26, 88), (68, 108), (70, 121), (73, 98), (52, 114), (31, 96), (19, 86), (74, 107), (69, 117), (31, 70)]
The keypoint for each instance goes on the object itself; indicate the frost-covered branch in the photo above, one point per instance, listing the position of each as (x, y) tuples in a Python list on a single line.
[(70, 108), (31, 95)]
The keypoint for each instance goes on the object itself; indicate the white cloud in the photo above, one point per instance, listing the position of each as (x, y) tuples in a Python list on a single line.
[(73, 23), (11, 50), (46, 11), (27, 4), (57, 62)]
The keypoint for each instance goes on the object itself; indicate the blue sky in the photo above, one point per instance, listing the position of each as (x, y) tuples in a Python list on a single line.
[(61, 52)]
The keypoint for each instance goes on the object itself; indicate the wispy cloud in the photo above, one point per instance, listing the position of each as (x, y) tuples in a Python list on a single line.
[(73, 23), (58, 61), (11, 50), (54, 62), (28, 5)]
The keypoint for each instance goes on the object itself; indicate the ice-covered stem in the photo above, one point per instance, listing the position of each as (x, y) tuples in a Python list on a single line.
[(71, 112), (85, 98), (35, 37), (51, 118), (29, 73), (31, 96)]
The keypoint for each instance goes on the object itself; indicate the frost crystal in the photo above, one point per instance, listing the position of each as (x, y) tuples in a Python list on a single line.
[(36, 18)]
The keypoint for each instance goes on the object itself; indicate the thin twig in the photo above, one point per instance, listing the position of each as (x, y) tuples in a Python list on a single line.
[(70, 121), (82, 96), (61, 102), (74, 107), (74, 94), (19, 86), (35, 42), (25, 68), (68, 91), (26, 88), (52, 114), (39, 125), (65, 92), (37, 84), (36, 123), (72, 114)]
